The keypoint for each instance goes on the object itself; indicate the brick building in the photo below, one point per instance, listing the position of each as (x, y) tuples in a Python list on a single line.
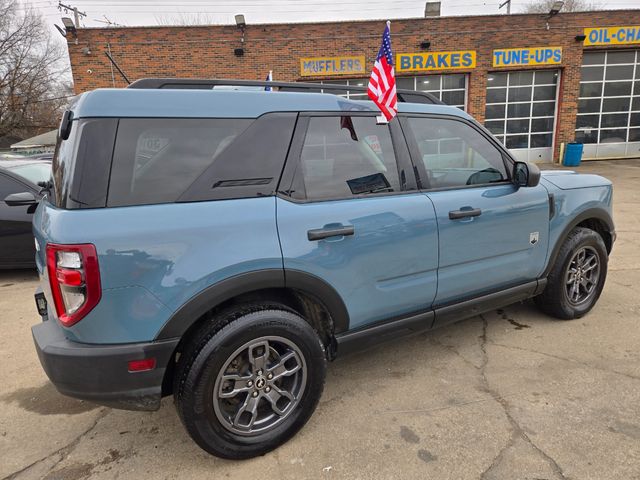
[(534, 81)]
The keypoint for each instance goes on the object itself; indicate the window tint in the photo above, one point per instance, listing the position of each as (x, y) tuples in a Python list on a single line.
[(346, 156), (9, 186), (34, 173), (156, 160), (455, 154), (251, 165)]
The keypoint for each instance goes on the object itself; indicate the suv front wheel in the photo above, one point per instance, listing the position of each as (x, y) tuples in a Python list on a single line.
[(577, 278), (249, 380)]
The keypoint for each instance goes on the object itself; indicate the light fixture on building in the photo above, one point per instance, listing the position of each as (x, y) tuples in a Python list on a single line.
[(580, 38), (69, 26), (425, 44), (555, 8), (62, 31), (241, 24)]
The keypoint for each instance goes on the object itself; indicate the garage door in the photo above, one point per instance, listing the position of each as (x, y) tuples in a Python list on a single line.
[(608, 120), (450, 88), (521, 110)]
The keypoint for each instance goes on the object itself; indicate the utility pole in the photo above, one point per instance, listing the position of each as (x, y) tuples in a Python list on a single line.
[(76, 14), (508, 4)]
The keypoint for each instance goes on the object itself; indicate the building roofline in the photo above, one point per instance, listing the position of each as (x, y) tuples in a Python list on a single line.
[(330, 22)]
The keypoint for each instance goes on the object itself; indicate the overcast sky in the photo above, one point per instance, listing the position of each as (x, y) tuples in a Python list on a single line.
[(152, 12)]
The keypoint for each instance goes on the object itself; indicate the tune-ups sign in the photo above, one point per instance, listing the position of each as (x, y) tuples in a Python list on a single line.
[(510, 57)]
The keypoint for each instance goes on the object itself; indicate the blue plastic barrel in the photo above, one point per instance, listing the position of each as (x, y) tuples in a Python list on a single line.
[(572, 155)]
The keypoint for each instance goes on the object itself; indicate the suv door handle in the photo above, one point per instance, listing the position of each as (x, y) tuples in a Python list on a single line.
[(337, 231), (464, 213)]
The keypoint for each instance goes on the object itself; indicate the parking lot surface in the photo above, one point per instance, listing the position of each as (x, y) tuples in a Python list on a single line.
[(511, 394)]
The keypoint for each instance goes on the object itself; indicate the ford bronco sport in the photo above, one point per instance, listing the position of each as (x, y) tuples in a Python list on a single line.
[(222, 246)]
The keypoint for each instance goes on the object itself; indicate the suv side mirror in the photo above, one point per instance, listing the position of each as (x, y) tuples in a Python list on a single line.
[(21, 199), (526, 174)]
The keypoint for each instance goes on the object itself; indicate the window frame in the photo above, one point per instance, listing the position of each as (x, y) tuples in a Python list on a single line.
[(416, 156), (408, 183)]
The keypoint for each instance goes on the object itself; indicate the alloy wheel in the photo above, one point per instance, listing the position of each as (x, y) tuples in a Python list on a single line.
[(259, 385)]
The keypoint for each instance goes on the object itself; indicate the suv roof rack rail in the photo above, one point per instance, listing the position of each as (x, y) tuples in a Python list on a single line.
[(411, 96)]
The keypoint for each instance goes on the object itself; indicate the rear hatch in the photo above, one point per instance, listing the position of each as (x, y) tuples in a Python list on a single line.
[(79, 180)]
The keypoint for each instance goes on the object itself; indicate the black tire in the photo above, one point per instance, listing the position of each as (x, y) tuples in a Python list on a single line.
[(208, 354), (555, 299)]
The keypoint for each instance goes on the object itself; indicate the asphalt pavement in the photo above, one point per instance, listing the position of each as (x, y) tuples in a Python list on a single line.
[(512, 394)]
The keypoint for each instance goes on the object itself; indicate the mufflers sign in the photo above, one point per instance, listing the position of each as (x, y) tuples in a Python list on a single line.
[(328, 66)]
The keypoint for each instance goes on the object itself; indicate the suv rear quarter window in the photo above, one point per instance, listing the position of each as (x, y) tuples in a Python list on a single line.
[(156, 160)]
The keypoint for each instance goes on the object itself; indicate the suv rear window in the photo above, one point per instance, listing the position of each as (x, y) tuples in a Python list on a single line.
[(156, 160)]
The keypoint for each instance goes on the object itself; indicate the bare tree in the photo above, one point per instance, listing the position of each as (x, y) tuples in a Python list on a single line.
[(30, 69), (544, 6), (185, 18)]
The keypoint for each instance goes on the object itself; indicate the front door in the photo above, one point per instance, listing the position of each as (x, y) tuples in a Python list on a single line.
[(16, 237), (352, 215), (493, 235)]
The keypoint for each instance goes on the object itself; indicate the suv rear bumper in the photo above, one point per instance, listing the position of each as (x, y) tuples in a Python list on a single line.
[(99, 373)]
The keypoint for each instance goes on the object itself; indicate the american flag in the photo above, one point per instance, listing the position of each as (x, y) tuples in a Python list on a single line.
[(382, 84)]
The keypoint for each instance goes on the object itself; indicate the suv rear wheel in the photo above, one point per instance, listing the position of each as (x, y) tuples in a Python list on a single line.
[(249, 380), (577, 278)]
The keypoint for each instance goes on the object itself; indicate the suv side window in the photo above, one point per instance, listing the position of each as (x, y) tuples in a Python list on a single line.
[(156, 160), (455, 154), (8, 186), (345, 156)]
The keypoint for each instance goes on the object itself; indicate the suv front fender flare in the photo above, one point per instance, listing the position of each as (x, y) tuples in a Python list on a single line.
[(591, 213), (214, 295)]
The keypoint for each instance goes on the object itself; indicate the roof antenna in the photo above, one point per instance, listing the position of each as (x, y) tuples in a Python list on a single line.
[(117, 68)]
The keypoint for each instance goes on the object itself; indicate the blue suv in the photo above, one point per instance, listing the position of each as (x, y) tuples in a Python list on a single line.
[(222, 245)]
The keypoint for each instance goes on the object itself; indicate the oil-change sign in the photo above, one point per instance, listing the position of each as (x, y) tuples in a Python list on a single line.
[(328, 66), (511, 57), (418, 62), (612, 35)]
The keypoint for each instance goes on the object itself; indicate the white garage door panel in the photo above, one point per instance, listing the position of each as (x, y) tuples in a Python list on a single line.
[(608, 121), (521, 111)]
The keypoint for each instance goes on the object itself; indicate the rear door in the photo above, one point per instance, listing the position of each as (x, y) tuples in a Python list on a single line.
[(493, 234), (349, 212)]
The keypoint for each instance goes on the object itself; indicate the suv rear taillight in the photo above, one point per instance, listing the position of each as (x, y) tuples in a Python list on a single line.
[(74, 277)]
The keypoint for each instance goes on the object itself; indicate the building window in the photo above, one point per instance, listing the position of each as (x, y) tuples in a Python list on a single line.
[(356, 82), (451, 89), (609, 102), (520, 107)]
